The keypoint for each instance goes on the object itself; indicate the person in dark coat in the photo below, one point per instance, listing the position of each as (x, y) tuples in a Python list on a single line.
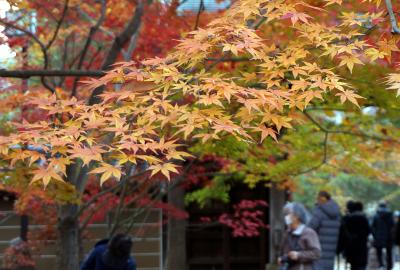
[(382, 231), (353, 236), (325, 221), (111, 254), (397, 234)]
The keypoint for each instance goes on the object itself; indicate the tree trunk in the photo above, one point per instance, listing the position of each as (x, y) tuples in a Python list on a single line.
[(176, 242), (68, 238)]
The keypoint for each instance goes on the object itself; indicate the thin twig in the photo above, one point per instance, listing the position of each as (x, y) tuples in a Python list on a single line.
[(89, 39), (201, 9), (58, 26), (347, 132)]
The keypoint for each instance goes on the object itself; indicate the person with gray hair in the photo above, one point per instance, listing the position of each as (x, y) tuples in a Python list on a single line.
[(300, 248)]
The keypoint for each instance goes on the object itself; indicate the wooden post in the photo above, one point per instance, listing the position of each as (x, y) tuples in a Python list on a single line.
[(276, 202), (226, 248), (24, 227)]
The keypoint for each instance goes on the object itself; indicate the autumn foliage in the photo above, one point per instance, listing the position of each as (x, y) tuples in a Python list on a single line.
[(250, 75)]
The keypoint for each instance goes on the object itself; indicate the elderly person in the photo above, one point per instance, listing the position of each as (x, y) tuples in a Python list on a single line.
[(301, 247)]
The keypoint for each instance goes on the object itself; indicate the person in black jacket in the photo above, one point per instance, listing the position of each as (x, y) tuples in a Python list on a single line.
[(397, 235), (353, 236), (382, 231)]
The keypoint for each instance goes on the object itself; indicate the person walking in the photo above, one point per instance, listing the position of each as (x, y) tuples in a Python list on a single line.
[(353, 236), (397, 236), (113, 254), (382, 231), (301, 247), (325, 221)]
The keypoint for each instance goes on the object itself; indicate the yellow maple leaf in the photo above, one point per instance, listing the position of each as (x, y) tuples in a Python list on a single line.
[(165, 169), (349, 61), (45, 175), (107, 172), (374, 54), (265, 132), (349, 95)]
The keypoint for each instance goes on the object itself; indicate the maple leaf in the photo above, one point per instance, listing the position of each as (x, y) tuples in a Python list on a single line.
[(35, 156), (296, 16), (265, 132), (388, 46), (60, 164), (45, 175), (178, 155), (393, 80), (332, 2), (375, 54), (230, 47), (310, 95), (349, 61), (207, 136), (349, 95), (87, 154), (165, 169), (107, 171)]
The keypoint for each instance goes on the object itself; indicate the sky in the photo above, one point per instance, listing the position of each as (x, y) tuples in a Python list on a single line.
[(5, 51)]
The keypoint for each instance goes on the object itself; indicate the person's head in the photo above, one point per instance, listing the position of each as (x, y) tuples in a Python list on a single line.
[(120, 245), (382, 204), (358, 207), (350, 207), (295, 215), (323, 197)]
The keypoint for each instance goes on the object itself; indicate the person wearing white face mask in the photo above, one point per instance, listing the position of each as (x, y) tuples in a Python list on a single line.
[(301, 247)]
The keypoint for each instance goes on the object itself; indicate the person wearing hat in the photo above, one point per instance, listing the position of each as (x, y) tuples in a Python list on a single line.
[(301, 248), (382, 230), (113, 254)]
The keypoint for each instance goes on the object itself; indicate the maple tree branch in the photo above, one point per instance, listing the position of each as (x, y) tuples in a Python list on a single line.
[(131, 28), (347, 132), (120, 205), (393, 20), (231, 59), (328, 109), (90, 19), (259, 23), (89, 39), (58, 26), (109, 190), (86, 221), (131, 218), (201, 9), (49, 73), (132, 46), (323, 161), (94, 56), (40, 5), (40, 43)]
